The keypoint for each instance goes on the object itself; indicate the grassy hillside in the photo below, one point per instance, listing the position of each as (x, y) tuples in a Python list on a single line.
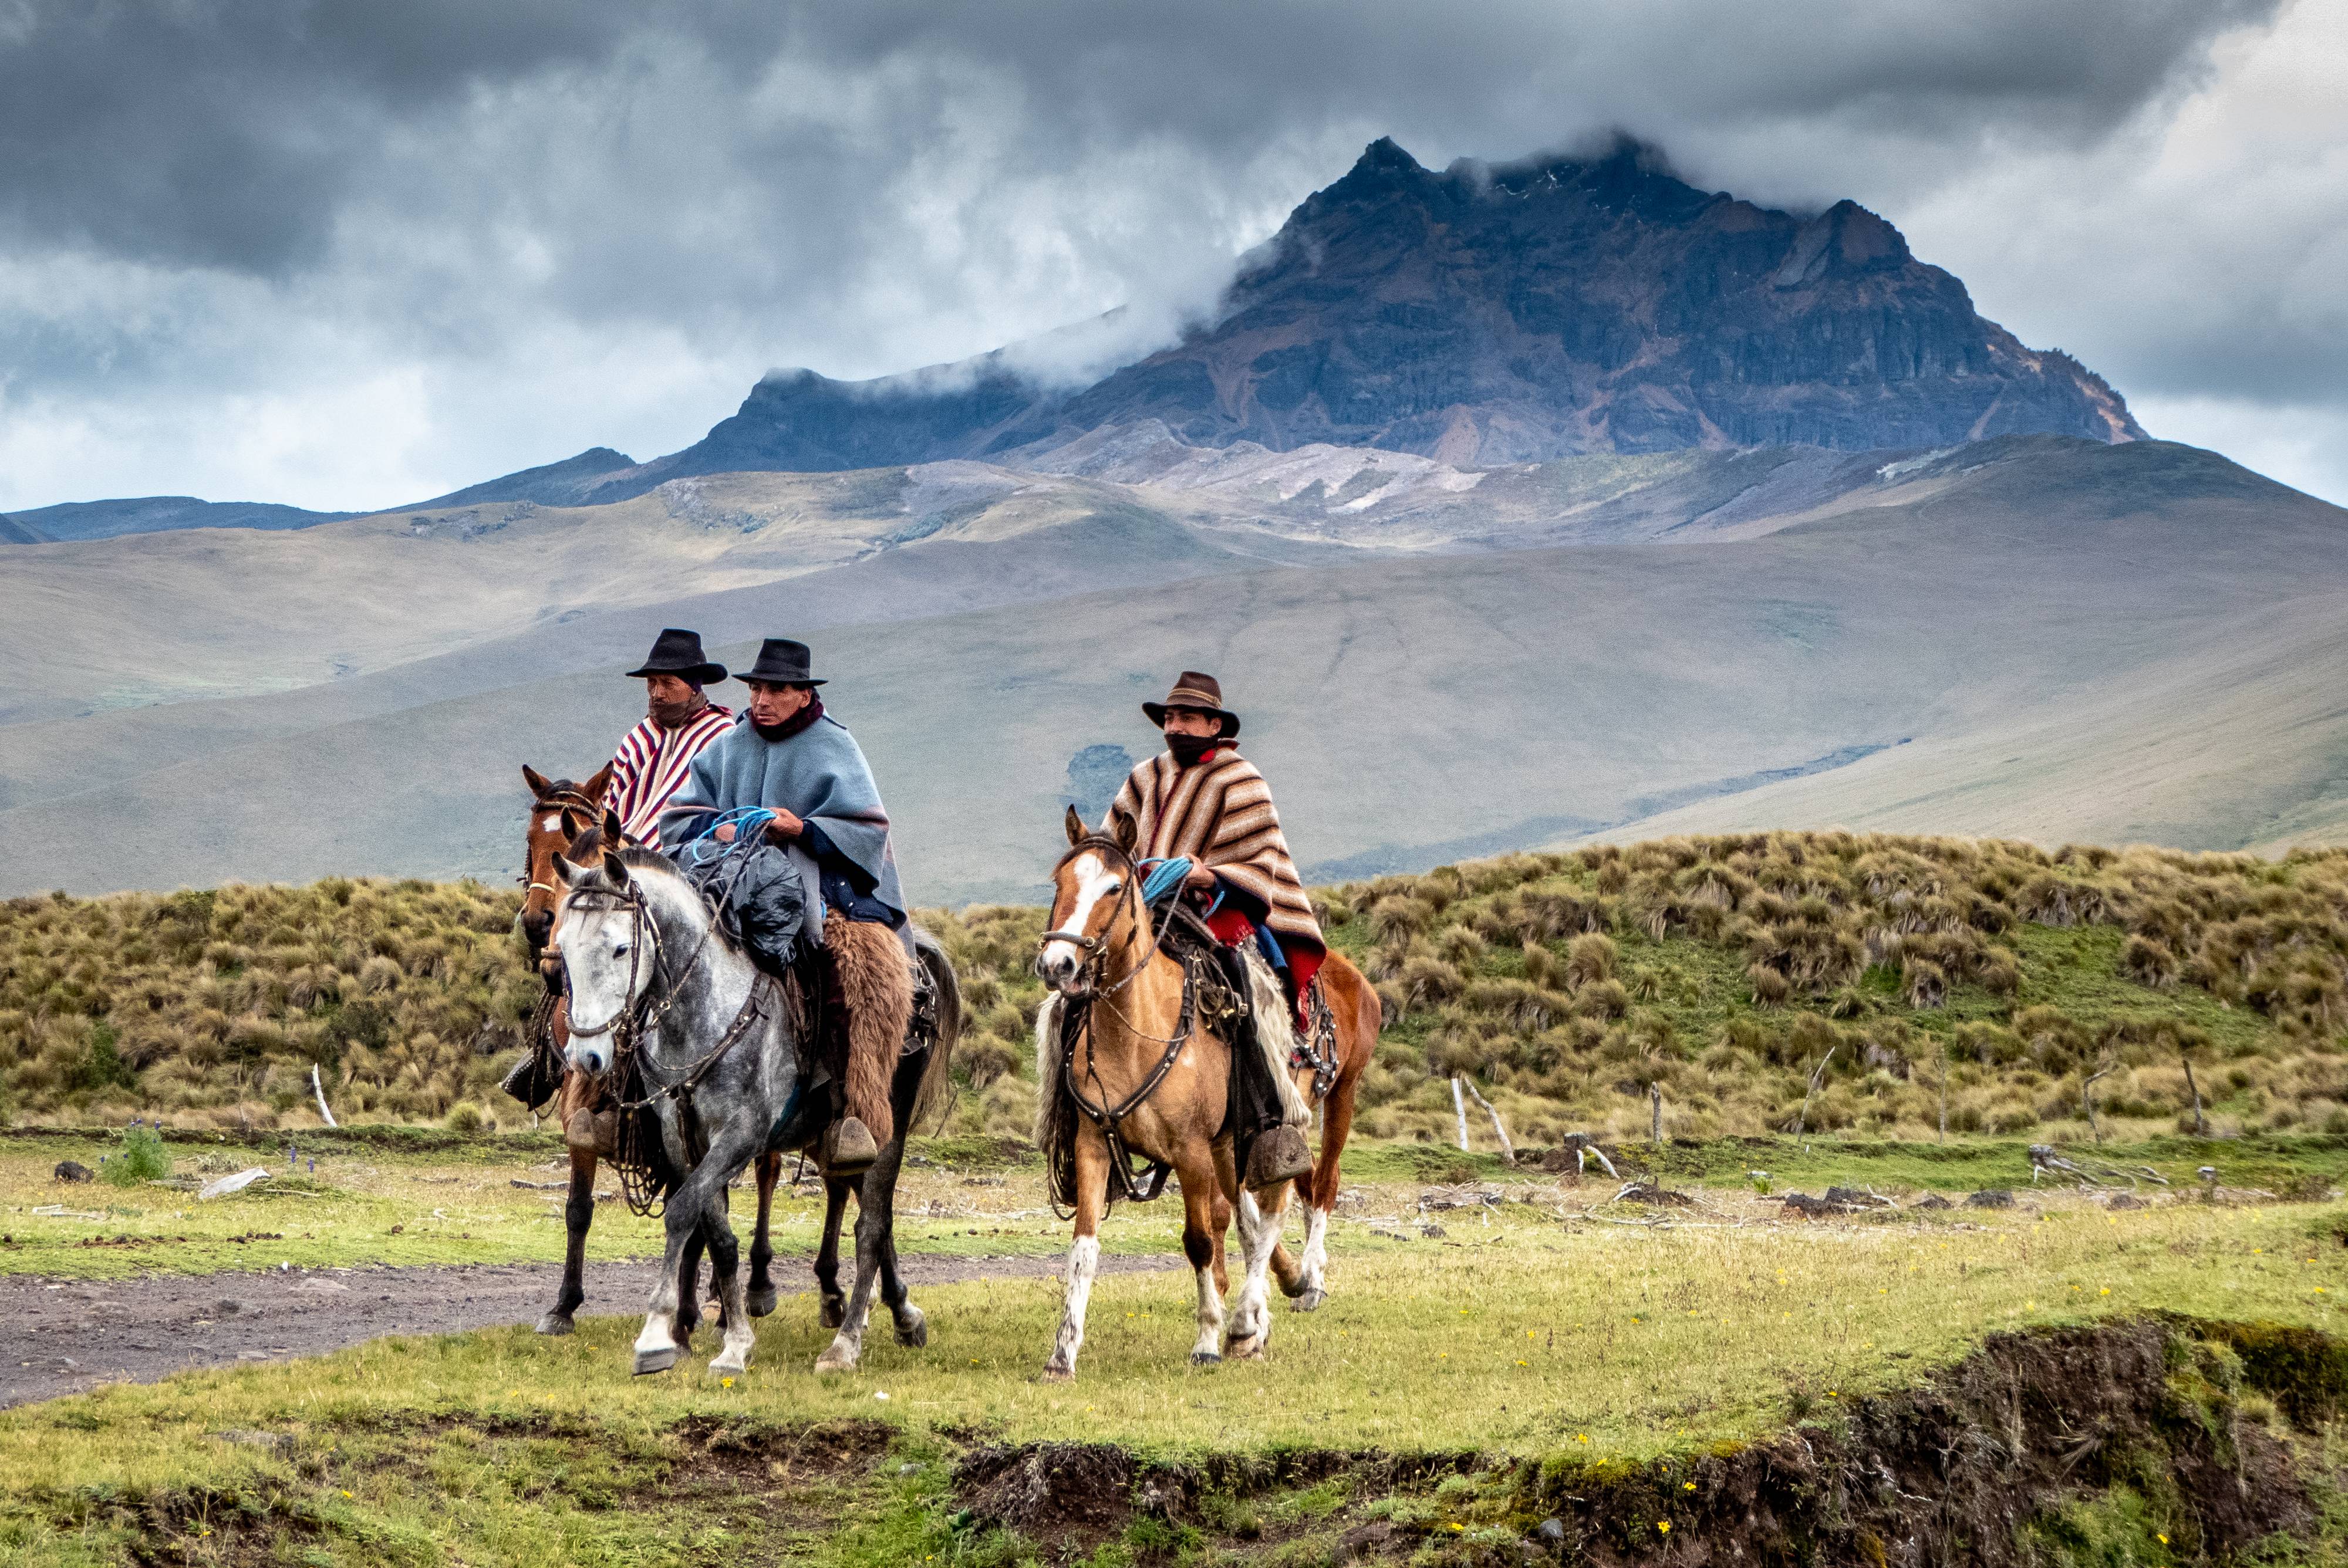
[(1722, 970)]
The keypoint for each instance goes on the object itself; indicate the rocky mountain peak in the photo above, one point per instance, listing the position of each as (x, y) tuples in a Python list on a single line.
[(1496, 313)]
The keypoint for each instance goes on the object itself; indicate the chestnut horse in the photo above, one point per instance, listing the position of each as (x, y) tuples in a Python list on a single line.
[(563, 812), (1148, 1071)]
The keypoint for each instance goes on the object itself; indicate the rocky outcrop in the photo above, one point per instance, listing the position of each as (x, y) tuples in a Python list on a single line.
[(1488, 315)]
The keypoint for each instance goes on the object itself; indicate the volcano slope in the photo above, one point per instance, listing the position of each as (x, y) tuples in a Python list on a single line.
[(2025, 619)]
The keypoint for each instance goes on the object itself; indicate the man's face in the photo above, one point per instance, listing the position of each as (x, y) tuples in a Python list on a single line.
[(1189, 721), (666, 697), (773, 705)]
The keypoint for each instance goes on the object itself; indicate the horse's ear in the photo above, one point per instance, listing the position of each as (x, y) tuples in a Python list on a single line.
[(616, 869), (537, 782), (566, 873), (1125, 830), (597, 783), (614, 833), (1076, 825)]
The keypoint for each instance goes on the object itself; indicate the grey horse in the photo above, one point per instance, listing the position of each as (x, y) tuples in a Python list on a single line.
[(720, 1064)]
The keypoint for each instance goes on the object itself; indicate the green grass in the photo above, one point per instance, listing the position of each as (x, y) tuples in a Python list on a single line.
[(1539, 1334)]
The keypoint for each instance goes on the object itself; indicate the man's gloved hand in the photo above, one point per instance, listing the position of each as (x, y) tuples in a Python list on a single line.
[(785, 827)]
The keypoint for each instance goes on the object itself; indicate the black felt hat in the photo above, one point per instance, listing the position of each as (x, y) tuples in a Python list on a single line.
[(677, 652), (1200, 694), (781, 662)]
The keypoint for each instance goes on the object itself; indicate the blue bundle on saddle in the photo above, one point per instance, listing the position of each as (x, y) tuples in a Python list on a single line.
[(756, 893)]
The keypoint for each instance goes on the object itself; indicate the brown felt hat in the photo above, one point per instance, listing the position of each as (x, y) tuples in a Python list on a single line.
[(1200, 694)]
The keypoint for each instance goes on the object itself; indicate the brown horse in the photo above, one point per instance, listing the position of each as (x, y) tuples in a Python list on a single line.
[(562, 814), (1148, 1074)]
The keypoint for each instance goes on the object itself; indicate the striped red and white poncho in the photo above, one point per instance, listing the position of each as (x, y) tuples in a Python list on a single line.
[(652, 764), (1218, 813)]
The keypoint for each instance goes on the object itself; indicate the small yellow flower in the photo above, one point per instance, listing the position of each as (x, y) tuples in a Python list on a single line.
[(1581, 1437), (347, 1491), (1664, 1525), (1524, 1363), (725, 1382), (2105, 1291), (1457, 1525), (1687, 1486), (2162, 1539)]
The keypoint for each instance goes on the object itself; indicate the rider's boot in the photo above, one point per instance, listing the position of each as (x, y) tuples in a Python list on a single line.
[(1279, 1156), (847, 1149)]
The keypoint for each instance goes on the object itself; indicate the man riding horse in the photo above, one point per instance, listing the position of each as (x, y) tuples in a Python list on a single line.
[(679, 721), (1201, 801), (784, 754)]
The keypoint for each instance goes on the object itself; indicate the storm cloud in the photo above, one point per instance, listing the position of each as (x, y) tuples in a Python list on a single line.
[(345, 256)]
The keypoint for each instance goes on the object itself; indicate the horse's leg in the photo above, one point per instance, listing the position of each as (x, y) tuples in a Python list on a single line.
[(1321, 1198), (656, 1346), (688, 1285), (1206, 1215), (1084, 1252), (725, 1279), (578, 1213), (1259, 1226), (846, 1346), (881, 1194), (826, 1257), (761, 1295)]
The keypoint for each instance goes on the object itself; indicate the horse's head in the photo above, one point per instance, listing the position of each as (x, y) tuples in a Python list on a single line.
[(610, 949), (1096, 904), (561, 811)]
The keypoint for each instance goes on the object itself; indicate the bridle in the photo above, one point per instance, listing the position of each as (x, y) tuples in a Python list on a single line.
[(565, 802), (1096, 949)]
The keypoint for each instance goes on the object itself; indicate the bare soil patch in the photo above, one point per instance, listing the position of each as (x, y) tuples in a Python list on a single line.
[(67, 1335)]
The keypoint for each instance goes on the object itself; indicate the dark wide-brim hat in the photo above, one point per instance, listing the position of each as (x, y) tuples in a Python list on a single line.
[(1200, 694), (781, 662), (677, 652)]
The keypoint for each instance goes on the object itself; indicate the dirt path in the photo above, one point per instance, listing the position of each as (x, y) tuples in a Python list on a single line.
[(65, 1337)]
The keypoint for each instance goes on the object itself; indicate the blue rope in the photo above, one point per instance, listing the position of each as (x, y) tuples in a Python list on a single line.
[(1165, 876), (748, 822)]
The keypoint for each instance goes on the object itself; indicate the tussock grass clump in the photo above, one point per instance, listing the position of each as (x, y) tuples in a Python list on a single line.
[(1913, 974)]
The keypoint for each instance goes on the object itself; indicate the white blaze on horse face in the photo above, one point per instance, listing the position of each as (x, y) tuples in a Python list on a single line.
[(552, 825), (1062, 961)]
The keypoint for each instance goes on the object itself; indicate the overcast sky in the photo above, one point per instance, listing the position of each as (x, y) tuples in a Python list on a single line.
[(349, 255)]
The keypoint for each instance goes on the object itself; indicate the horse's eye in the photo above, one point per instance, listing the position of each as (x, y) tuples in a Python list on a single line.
[(1117, 887), (620, 951)]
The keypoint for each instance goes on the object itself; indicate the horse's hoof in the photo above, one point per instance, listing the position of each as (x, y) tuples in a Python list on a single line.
[(914, 1329), (1205, 1358), (836, 1359), (1058, 1374), (1310, 1300), (555, 1323), (1248, 1350), (726, 1366), (762, 1302), (649, 1361), (835, 1311)]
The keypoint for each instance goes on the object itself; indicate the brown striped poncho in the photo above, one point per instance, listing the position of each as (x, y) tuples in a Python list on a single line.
[(1219, 814)]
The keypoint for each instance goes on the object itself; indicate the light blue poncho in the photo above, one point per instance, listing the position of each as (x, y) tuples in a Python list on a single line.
[(818, 775)]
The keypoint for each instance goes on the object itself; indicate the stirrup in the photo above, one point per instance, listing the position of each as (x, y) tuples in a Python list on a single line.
[(1279, 1156), (847, 1149)]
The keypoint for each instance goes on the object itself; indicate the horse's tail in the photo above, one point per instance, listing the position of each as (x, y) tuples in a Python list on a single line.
[(946, 989)]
